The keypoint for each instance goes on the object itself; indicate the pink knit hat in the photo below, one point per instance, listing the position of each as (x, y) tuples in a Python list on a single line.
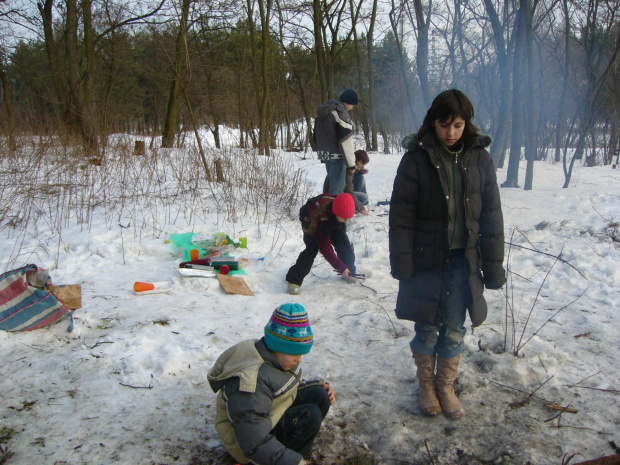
[(344, 206)]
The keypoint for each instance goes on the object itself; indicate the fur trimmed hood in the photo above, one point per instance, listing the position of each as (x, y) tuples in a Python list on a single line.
[(411, 141)]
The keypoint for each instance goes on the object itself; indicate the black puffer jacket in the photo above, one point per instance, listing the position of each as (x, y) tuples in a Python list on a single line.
[(419, 251)]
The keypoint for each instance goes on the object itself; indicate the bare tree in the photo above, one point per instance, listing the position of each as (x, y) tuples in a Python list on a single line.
[(422, 28), (518, 102), (600, 44), (172, 114), (8, 104), (395, 15), (502, 50)]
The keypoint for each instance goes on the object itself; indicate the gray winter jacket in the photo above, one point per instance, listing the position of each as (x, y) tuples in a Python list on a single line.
[(333, 131), (419, 217), (254, 392)]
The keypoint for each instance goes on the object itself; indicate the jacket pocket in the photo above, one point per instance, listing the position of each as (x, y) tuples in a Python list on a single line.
[(423, 251)]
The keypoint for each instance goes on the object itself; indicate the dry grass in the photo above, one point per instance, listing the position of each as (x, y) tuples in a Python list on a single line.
[(48, 185)]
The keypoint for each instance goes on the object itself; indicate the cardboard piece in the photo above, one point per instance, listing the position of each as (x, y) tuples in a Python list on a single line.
[(68, 294), (234, 285)]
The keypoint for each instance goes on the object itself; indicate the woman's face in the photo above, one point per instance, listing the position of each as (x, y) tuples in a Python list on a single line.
[(449, 133)]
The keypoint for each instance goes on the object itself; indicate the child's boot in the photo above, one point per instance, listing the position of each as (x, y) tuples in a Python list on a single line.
[(425, 364), (446, 374), (293, 289)]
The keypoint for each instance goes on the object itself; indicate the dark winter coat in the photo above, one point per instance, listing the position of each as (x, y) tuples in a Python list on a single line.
[(326, 225), (333, 131), (419, 251), (254, 392)]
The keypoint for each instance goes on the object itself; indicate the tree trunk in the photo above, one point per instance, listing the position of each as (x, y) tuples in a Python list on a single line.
[(560, 125), (516, 139), (264, 7), (317, 17), (531, 146), (8, 104), (198, 140), (254, 50), (172, 115), (500, 137), (401, 60), (60, 105), (374, 144), (422, 51), (80, 105), (362, 108)]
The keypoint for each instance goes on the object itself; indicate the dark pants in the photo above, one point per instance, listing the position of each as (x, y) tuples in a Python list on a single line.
[(303, 265), (301, 422)]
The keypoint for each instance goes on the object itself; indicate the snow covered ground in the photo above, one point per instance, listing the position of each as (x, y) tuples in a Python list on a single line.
[(129, 386)]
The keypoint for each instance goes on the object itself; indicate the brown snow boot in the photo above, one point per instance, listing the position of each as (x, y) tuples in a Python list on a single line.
[(429, 404), (446, 374)]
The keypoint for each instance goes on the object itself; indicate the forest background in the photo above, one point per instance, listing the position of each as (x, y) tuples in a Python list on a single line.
[(544, 76)]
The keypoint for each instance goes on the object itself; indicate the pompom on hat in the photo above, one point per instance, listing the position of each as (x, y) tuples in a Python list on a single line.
[(344, 206), (349, 96), (288, 330)]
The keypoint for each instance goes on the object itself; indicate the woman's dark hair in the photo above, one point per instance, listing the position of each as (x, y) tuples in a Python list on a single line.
[(446, 107)]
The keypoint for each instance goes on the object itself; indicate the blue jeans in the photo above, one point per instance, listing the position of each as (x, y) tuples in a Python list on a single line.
[(301, 422), (336, 172), (359, 188), (446, 340)]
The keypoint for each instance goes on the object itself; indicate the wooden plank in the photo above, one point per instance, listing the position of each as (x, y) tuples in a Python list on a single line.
[(234, 285)]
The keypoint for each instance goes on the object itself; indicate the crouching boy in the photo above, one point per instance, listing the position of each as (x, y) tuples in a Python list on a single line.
[(265, 414)]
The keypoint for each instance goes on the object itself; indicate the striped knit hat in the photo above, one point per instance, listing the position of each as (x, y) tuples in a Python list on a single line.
[(288, 330)]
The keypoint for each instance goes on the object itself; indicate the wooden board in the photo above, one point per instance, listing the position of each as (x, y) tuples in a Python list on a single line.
[(234, 285)]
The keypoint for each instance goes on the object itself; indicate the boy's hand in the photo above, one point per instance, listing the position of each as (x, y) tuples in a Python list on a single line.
[(330, 393)]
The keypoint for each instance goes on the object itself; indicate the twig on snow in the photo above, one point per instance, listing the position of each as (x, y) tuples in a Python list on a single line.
[(150, 386), (531, 394), (579, 382), (368, 287), (613, 391), (334, 353), (518, 390), (351, 314), (429, 452)]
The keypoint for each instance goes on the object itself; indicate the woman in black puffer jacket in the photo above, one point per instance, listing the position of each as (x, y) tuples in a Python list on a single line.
[(446, 242)]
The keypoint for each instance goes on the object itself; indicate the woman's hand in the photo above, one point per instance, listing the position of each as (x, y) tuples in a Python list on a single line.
[(346, 274)]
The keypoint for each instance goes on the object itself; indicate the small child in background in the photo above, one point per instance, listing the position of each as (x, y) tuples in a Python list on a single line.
[(355, 183), (323, 221), (265, 414)]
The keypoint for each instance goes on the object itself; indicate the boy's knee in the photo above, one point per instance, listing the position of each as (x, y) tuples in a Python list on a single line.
[(320, 399), (315, 417)]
